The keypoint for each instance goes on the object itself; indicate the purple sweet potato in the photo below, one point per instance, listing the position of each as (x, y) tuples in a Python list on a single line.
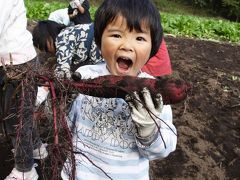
[(173, 90)]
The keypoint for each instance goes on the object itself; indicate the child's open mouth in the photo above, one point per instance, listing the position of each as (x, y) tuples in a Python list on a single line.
[(124, 63)]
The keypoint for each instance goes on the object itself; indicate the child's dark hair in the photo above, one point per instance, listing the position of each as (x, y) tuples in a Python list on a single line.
[(45, 30), (135, 12)]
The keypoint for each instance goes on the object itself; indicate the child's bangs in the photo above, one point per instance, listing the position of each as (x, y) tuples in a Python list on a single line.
[(139, 24)]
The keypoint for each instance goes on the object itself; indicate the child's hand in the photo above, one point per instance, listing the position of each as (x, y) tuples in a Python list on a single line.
[(144, 112), (75, 12)]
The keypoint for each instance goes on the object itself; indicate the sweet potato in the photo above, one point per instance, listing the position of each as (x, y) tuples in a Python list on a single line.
[(173, 90)]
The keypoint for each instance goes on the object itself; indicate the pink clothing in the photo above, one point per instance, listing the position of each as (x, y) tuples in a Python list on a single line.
[(159, 64)]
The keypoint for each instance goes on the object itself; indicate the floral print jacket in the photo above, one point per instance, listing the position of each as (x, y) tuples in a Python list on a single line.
[(75, 46)]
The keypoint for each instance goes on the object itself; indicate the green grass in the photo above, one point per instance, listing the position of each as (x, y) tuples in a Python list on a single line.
[(40, 9), (177, 19), (200, 27)]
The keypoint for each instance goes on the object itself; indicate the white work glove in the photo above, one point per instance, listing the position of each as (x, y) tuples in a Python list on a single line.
[(63, 73), (42, 94), (146, 112)]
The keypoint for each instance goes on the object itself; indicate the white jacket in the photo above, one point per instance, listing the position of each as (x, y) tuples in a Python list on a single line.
[(15, 39)]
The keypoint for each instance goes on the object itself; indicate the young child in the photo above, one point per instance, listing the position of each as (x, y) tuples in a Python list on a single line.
[(18, 94), (78, 11), (114, 138)]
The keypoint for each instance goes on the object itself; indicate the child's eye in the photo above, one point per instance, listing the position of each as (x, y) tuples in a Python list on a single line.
[(116, 36), (141, 39)]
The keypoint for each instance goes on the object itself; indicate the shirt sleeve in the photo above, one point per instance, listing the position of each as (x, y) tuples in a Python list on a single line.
[(72, 49), (5, 13), (86, 5), (65, 50)]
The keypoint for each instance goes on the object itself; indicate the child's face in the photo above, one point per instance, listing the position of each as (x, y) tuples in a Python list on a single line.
[(125, 52)]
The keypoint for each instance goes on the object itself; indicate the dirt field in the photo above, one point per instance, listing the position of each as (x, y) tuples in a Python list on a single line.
[(209, 128), (208, 123)]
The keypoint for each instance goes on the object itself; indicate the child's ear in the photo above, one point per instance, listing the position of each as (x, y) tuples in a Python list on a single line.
[(50, 46)]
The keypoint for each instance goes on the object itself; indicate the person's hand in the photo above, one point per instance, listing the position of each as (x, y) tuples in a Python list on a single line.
[(75, 12), (63, 74), (145, 111)]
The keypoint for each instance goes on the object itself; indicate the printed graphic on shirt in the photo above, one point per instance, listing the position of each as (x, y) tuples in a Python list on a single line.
[(105, 125)]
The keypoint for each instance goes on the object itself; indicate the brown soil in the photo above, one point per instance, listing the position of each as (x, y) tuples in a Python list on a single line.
[(208, 123)]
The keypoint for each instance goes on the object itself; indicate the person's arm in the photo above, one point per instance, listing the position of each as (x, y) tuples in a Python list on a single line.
[(4, 14), (72, 42), (81, 9), (65, 49), (82, 5)]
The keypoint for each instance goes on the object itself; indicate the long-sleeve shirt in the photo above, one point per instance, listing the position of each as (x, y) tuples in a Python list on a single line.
[(104, 132), (15, 39)]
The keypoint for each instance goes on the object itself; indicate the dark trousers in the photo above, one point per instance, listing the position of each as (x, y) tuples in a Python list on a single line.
[(17, 99)]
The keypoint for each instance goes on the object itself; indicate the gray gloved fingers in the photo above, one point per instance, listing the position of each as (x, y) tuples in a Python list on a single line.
[(136, 115), (137, 101), (158, 102), (148, 98)]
